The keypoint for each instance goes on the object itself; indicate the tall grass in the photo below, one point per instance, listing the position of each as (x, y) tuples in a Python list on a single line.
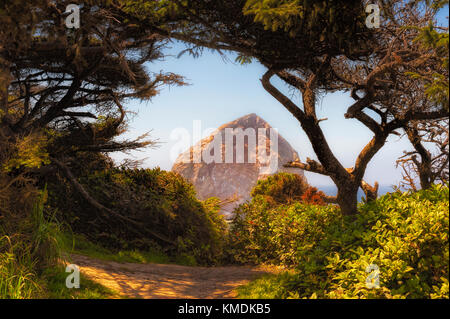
[(17, 277), (46, 240), (33, 247)]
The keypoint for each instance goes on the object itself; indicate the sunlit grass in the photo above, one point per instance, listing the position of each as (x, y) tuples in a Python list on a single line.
[(55, 282), (271, 286), (17, 279), (78, 244)]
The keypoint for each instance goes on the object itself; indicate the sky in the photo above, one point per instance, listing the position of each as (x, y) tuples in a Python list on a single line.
[(221, 91)]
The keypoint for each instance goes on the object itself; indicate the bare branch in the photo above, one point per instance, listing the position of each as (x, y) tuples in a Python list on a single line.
[(310, 166)]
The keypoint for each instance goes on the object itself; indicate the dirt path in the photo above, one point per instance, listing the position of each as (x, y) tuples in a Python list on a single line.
[(168, 281)]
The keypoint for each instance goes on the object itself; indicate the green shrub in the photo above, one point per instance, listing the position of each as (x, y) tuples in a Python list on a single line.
[(161, 201), (261, 233), (404, 235), (281, 188)]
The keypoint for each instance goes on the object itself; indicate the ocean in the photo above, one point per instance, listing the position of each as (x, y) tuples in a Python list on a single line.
[(331, 190)]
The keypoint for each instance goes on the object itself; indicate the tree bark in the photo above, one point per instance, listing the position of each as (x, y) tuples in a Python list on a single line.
[(424, 167), (371, 192), (329, 165), (347, 200)]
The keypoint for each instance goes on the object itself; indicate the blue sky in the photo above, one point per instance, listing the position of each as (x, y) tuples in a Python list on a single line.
[(221, 91)]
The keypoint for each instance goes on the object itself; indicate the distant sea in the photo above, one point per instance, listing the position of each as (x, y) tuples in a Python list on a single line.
[(331, 190)]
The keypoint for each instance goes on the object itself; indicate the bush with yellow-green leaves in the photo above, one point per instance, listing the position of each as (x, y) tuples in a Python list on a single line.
[(397, 247)]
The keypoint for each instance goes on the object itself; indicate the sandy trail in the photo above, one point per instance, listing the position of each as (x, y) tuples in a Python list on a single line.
[(168, 281)]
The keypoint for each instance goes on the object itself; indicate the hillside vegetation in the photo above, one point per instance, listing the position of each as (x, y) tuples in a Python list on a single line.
[(69, 91), (160, 201), (402, 236), (181, 229)]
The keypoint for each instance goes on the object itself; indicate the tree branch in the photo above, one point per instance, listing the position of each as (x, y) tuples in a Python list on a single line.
[(280, 97), (310, 166), (371, 192)]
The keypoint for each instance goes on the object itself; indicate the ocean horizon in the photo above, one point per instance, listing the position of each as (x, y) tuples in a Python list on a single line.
[(331, 190)]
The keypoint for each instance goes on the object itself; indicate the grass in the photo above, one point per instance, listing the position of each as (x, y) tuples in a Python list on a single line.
[(30, 261), (17, 279), (55, 288), (78, 244), (271, 286)]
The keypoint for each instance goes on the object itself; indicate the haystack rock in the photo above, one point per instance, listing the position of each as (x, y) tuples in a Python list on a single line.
[(229, 162)]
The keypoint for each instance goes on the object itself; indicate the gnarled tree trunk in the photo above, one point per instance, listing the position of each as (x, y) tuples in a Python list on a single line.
[(347, 198)]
